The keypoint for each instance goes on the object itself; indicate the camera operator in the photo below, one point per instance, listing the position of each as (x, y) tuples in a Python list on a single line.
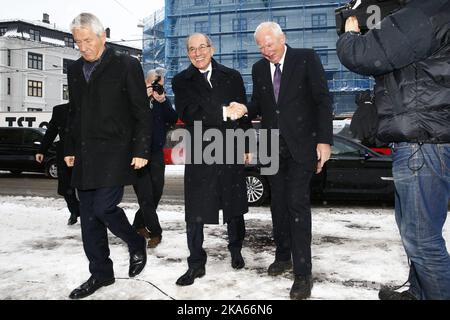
[(409, 57), (150, 183)]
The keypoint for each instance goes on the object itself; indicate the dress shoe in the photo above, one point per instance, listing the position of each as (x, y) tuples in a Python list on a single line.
[(154, 241), (279, 267), (137, 263), (188, 278), (89, 287), (301, 289), (386, 293), (143, 232), (237, 262), (73, 219)]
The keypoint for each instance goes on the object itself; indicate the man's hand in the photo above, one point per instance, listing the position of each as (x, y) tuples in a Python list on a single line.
[(139, 163), (248, 158), (39, 157), (352, 24), (236, 111), (70, 161), (323, 155), (161, 98)]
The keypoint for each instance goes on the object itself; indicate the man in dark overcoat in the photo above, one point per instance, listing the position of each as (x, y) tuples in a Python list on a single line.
[(202, 93), (290, 93), (108, 138), (57, 127)]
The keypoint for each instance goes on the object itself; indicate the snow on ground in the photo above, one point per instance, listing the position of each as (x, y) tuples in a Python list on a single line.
[(355, 250)]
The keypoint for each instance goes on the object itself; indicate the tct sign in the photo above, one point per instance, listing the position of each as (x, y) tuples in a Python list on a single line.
[(25, 119)]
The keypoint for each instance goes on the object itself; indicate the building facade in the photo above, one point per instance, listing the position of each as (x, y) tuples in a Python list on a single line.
[(231, 25), (34, 57)]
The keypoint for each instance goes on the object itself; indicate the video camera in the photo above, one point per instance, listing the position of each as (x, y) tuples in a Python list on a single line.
[(361, 9), (157, 87)]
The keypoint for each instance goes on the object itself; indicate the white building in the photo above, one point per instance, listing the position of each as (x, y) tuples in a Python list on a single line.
[(34, 57)]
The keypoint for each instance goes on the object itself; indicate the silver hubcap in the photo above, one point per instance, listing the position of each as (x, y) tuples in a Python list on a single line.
[(255, 189), (53, 171)]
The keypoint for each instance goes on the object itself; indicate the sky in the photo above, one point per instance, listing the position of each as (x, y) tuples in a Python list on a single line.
[(355, 250), (121, 16)]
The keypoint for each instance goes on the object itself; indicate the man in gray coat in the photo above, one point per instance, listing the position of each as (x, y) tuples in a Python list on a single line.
[(108, 138)]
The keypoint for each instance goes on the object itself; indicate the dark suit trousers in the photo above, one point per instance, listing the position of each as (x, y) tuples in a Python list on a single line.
[(149, 189), (291, 212), (195, 237), (99, 212)]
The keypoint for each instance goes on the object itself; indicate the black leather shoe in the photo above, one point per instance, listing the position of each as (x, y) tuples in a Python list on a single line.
[(279, 267), (387, 293), (301, 289), (72, 220), (137, 263), (188, 278), (237, 262), (89, 287)]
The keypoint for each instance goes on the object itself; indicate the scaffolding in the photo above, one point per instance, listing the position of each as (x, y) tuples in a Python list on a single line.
[(231, 24)]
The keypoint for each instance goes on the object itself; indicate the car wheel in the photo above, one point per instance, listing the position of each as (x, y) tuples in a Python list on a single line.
[(257, 189), (15, 172), (51, 170)]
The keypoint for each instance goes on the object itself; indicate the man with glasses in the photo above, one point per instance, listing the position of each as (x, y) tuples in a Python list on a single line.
[(203, 93)]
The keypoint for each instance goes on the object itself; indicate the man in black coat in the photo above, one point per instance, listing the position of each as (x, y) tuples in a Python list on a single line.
[(203, 93), (108, 138), (408, 54), (57, 126), (150, 183), (290, 93)]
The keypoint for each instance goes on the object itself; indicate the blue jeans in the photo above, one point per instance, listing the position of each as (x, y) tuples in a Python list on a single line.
[(422, 182)]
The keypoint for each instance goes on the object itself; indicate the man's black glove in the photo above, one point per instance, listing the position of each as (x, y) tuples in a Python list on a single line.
[(365, 123)]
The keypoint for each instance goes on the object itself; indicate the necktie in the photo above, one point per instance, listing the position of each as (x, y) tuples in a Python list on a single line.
[(277, 81), (206, 77)]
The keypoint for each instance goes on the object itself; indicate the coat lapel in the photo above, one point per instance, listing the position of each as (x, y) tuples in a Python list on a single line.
[(267, 79), (288, 70)]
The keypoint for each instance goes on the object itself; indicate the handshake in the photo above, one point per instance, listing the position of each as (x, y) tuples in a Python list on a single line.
[(235, 111)]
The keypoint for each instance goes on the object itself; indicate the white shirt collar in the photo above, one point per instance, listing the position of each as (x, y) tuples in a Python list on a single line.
[(209, 74)]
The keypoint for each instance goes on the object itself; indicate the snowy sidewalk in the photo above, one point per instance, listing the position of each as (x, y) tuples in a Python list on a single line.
[(354, 251)]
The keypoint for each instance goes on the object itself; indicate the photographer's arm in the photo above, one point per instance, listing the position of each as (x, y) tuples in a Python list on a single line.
[(401, 39)]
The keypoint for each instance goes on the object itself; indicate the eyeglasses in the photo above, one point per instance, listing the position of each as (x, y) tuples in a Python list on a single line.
[(202, 48)]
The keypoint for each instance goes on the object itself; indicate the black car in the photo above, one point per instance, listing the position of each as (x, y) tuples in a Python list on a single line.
[(18, 147), (354, 172)]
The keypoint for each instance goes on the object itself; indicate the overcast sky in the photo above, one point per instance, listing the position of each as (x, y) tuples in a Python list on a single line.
[(121, 16)]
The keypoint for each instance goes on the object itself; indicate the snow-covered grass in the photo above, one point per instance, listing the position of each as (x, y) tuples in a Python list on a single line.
[(355, 250)]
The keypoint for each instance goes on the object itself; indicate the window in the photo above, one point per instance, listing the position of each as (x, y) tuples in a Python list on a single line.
[(201, 26), (66, 65), (8, 109), (240, 60), (31, 136), (11, 136), (35, 88), (240, 24), (34, 61), (9, 86), (344, 150), (68, 41), (65, 92), (322, 52), (35, 35), (319, 22), (3, 31), (9, 57), (281, 20), (200, 2)]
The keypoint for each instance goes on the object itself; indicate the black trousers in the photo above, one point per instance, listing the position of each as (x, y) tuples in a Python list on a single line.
[(66, 190), (149, 189), (99, 212), (195, 237), (291, 212), (73, 204)]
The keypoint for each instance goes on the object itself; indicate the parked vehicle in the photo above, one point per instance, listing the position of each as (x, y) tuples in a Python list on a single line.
[(354, 172), (18, 147)]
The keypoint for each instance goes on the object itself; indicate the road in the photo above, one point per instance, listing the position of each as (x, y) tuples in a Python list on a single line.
[(37, 185)]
